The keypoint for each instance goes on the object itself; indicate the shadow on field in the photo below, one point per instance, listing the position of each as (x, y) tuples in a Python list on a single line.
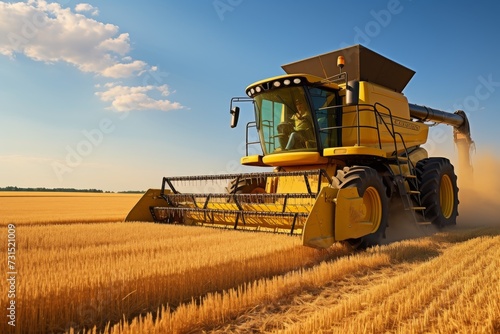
[(413, 252), (110, 305)]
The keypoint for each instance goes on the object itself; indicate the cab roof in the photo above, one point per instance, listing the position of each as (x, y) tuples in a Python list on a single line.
[(290, 80)]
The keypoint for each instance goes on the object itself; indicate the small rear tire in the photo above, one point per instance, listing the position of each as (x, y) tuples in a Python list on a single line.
[(438, 191)]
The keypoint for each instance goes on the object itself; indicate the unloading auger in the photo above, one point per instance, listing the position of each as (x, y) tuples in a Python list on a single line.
[(342, 146)]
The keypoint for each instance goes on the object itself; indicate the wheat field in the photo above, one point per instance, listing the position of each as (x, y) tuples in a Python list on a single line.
[(81, 272), (63, 207)]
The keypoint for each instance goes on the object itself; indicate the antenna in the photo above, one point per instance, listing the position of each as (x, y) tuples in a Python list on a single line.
[(323, 67)]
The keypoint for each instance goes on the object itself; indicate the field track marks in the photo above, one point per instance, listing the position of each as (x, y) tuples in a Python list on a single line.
[(405, 301), (298, 308), (399, 298)]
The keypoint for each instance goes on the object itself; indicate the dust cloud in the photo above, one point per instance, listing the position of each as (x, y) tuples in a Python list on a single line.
[(479, 196), (479, 193)]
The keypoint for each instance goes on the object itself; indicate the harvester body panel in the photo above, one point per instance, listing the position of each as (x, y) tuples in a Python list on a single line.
[(141, 210), (337, 215)]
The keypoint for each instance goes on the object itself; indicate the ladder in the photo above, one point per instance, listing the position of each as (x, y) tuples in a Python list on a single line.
[(410, 197)]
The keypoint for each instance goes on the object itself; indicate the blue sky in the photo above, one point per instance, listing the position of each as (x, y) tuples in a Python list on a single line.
[(117, 94)]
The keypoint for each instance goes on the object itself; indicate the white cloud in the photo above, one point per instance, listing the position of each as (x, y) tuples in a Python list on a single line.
[(85, 7), (49, 33), (124, 70), (127, 98), (120, 45)]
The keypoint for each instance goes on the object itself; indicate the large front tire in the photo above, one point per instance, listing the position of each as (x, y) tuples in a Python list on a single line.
[(371, 188), (438, 191)]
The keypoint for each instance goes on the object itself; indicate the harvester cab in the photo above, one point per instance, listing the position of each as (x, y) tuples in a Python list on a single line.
[(343, 140)]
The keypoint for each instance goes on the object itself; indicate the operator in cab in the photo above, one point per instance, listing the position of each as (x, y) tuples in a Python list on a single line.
[(302, 127)]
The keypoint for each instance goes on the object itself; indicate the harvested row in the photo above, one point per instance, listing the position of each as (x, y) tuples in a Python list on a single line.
[(421, 300)]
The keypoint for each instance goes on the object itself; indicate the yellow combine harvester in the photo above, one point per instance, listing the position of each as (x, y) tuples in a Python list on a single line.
[(343, 146)]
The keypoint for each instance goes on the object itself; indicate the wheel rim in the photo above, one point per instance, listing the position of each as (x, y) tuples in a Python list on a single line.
[(446, 196), (373, 207)]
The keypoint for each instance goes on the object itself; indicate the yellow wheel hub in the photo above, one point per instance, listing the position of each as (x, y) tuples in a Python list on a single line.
[(373, 207), (446, 196)]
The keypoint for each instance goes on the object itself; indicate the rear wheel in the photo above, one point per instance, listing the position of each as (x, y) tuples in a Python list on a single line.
[(371, 188), (438, 190)]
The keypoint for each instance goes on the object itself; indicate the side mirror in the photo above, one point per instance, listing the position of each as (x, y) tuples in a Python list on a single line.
[(352, 93), (235, 114)]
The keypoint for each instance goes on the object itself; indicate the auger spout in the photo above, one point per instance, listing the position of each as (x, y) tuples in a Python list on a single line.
[(427, 114), (461, 130)]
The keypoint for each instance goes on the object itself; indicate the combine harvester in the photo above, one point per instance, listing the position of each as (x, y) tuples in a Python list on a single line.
[(345, 147)]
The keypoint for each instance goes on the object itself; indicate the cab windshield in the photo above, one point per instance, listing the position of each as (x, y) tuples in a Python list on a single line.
[(286, 122)]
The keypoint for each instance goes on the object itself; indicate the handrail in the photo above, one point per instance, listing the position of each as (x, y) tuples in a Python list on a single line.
[(358, 126), (372, 108), (250, 125), (379, 118)]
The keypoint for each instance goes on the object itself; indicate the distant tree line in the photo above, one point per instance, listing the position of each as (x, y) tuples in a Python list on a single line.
[(69, 190), (12, 188), (131, 192)]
